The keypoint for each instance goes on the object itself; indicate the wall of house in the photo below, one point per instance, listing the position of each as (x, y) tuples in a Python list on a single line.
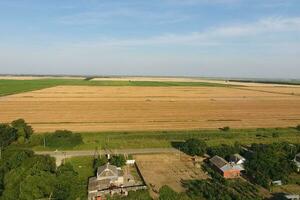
[(231, 174)]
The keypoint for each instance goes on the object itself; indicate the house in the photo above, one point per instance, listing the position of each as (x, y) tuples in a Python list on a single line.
[(297, 161), (237, 159), (226, 169), (108, 177), (111, 180)]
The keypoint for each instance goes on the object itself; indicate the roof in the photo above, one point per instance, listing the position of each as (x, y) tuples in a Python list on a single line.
[(232, 167), (238, 156), (107, 169), (218, 161), (223, 165)]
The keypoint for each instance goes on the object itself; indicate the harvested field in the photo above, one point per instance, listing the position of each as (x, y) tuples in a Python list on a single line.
[(168, 169), (86, 108)]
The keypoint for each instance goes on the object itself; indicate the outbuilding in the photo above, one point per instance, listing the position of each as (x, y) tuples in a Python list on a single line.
[(226, 169)]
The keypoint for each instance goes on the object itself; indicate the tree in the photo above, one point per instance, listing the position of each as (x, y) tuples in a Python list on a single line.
[(118, 160), (7, 135), (24, 130), (194, 147), (68, 185), (298, 127)]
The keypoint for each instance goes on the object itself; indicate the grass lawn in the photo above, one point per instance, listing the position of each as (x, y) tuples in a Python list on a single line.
[(8, 87), (162, 139), (83, 166)]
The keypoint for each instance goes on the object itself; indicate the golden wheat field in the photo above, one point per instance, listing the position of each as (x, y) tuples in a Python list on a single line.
[(83, 108)]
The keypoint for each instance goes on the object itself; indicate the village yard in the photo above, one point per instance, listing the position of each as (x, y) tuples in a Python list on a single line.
[(168, 169)]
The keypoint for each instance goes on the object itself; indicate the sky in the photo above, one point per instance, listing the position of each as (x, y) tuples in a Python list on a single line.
[(207, 38)]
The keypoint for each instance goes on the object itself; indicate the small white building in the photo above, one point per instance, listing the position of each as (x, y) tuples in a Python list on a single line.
[(237, 159), (130, 162), (297, 161)]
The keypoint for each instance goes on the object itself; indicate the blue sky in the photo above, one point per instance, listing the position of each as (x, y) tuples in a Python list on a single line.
[(224, 38)]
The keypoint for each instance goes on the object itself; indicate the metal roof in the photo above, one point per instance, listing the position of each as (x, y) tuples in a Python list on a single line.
[(218, 161)]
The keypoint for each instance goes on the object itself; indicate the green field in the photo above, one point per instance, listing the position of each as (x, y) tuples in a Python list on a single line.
[(8, 87), (162, 139)]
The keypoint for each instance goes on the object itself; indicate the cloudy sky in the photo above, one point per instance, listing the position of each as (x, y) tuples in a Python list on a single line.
[(223, 38)]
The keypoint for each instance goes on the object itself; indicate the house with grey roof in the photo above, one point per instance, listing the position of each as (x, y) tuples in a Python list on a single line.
[(111, 180), (108, 177)]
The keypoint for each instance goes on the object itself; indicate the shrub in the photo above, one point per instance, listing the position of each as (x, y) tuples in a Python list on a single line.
[(118, 160), (298, 127), (63, 139)]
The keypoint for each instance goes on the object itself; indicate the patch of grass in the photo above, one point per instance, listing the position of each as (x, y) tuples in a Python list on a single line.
[(163, 139), (83, 165), (9, 87)]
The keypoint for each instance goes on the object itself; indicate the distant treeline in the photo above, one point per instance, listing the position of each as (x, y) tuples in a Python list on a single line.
[(292, 82)]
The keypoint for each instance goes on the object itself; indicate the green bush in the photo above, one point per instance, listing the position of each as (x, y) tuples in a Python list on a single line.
[(63, 139), (118, 160)]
